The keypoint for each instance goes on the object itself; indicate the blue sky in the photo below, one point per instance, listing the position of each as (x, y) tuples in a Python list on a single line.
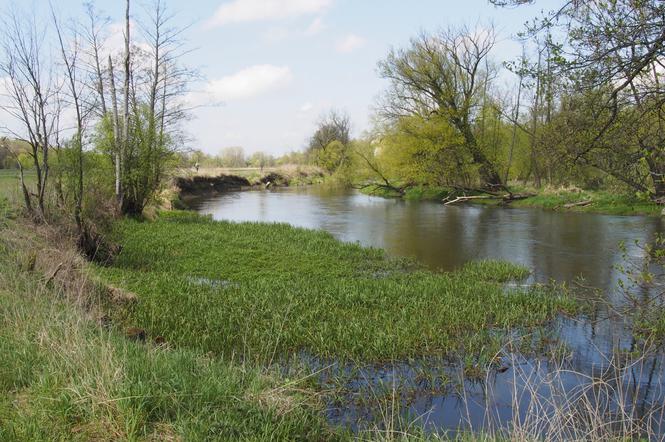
[(277, 65)]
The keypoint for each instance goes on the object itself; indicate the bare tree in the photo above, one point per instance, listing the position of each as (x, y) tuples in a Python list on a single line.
[(334, 126), (70, 52), (125, 126), (32, 93)]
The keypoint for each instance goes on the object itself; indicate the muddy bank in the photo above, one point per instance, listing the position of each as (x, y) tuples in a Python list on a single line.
[(202, 185)]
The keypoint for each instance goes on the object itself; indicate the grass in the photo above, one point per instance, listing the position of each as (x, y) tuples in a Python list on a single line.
[(605, 202), (263, 291), (602, 202), (63, 376), (229, 299), (70, 374), (9, 183)]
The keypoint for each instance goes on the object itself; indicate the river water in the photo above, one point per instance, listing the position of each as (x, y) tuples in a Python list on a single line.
[(554, 245)]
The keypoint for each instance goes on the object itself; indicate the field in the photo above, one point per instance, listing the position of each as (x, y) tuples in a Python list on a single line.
[(9, 183)]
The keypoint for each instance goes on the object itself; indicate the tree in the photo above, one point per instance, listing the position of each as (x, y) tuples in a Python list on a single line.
[(443, 76), (32, 94), (142, 135), (261, 160), (613, 54), (77, 94), (328, 146), (424, 151), (233, 157)]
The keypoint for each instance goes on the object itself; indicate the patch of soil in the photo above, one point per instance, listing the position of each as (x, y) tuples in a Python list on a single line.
[(200, 185), (274, 179)]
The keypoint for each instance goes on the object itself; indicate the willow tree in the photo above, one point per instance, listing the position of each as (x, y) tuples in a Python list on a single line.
[(444, 76)]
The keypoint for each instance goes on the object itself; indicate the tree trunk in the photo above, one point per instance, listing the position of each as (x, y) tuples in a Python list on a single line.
[(125, 126), (514, 134), (657, 173), (488, 173), (117, 143)]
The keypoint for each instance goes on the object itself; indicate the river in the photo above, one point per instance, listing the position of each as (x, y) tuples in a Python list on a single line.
[(560, 246)]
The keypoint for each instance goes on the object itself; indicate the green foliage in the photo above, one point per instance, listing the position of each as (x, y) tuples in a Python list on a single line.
[(331, 157), (424, 151)]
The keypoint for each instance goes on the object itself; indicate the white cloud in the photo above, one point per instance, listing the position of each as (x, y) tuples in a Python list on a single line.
[(350, 43), (241, 11), (315, 27), (250, 82), (306, 107)]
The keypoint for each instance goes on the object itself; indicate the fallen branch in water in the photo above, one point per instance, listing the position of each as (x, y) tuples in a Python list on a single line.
[(461, 199), (504, 198)]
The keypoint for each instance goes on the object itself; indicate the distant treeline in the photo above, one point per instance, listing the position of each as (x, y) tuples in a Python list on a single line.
[(235, 157)]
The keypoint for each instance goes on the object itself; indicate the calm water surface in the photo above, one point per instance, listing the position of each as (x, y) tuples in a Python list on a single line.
[(556, 246)]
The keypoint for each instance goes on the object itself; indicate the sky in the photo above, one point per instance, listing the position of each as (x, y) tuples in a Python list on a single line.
[(271, 68)]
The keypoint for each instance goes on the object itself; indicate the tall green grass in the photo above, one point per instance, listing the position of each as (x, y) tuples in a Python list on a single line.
[(265, 291), (63, 376)]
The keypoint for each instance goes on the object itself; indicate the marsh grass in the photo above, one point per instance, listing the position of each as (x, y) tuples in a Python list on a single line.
[(64, 375), (606, 404), (289, 290), (69, 374)]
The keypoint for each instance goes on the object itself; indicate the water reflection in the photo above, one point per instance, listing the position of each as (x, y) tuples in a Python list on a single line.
[(556, 246)]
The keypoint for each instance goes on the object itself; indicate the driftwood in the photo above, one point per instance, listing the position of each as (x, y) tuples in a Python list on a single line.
[(461, 199), (577, 204), (506, 199)]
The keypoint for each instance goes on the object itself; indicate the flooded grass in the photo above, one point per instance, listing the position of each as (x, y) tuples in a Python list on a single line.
[(290, 290), (66, 376), (242, 345)]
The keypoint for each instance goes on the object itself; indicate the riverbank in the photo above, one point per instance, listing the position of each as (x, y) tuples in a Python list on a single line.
[(192, 184), (68, 373), (182, 339), (569, 200)]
